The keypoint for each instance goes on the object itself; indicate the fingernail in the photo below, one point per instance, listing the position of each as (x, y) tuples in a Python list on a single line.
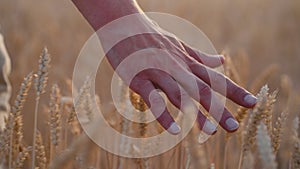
[(222, 58), (250, 99), (174, 129), (232, 124), (209, 127)]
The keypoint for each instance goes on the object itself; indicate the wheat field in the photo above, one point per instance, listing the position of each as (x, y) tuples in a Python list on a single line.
[(260, 41)]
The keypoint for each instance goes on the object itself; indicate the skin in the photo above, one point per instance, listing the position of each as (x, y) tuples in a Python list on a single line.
[(184, 66)]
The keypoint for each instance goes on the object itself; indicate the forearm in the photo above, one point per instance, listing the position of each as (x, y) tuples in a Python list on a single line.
[(100, 12)]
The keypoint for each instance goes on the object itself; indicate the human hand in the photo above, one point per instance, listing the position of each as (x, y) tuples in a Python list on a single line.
[(164, 62)]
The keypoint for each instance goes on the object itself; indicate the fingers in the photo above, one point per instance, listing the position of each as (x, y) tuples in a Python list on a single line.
[(205, 124), (206, 59), (207, 98), (224, 86), (156, 104), (212, 104), (178, 96)]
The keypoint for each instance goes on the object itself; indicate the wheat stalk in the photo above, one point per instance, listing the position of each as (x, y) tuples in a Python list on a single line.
[(265, 150), (40, 85)]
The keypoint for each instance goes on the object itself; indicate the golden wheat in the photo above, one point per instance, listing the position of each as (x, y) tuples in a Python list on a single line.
[(265, 148)]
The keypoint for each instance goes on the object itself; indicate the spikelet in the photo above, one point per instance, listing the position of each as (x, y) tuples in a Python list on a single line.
[(265, 148), (22, 156), (55, 116), (42, 74), (40, 152), (277, 131)]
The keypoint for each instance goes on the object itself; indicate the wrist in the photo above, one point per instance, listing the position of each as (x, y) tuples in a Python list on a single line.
[(100, 12)]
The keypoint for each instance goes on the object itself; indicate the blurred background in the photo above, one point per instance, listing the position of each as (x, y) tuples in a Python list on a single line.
[(265, 33)]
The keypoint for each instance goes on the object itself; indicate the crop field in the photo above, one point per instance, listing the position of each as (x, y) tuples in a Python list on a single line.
[(261, 44)]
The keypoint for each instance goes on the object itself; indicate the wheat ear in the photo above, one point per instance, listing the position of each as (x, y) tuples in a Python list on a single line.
[(277, 131), (22, 156), (255, 119), (40, 152), (265, 150), (80, 99), (15, 119), (55, 118)]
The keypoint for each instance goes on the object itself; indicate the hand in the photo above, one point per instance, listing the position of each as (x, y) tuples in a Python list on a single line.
[(182, 71)]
